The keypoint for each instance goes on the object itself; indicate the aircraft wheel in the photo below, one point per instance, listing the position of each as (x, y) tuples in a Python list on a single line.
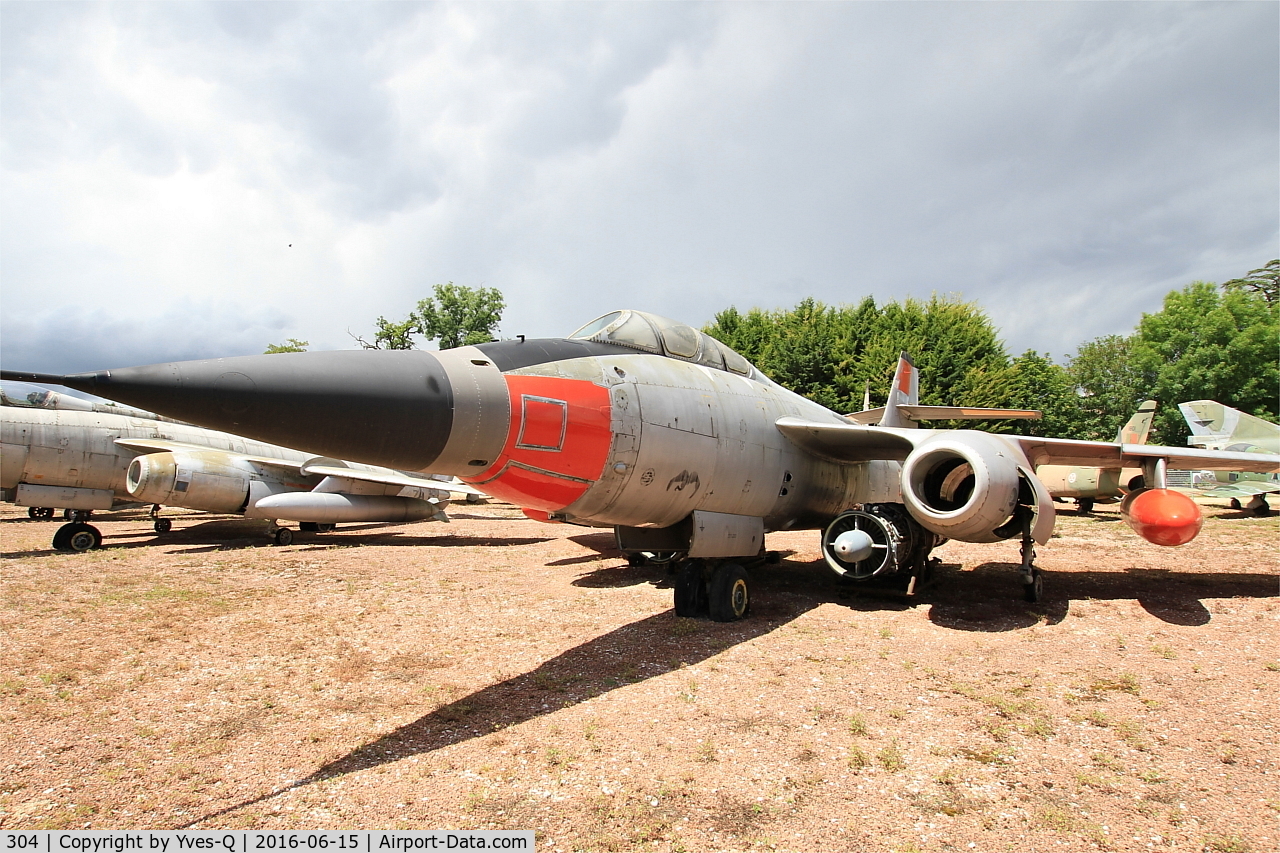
[(83, 537), (1235, 504), (60, 537), (1084, 506), (40, 513), (284, 536), (1263, 511), (690, 590), (1034, 591), (728, 596), (163, 525), (325, 527)]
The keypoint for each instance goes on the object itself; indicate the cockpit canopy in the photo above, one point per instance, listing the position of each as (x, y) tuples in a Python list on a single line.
[(651, 333)]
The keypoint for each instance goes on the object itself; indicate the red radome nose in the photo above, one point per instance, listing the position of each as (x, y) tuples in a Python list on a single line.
[(1162, 516)]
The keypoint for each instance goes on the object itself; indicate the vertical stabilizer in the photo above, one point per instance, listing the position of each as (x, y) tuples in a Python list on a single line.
[(905, 392), (1219, 427), (1135, 431)]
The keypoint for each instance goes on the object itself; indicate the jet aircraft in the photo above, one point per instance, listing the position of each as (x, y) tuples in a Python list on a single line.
[(1090, 485), (1220, 427), (91, 460), (655, 429)]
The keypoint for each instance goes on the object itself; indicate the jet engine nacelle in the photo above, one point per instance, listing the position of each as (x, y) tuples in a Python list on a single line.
[(195, 480), (963, 486), (1162, 516)]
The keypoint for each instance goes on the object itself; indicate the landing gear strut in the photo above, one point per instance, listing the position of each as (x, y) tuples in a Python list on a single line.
[(160, 525), (1032, 577)]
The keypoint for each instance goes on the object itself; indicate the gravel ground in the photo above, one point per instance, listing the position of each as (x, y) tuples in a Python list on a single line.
[(504, 674)]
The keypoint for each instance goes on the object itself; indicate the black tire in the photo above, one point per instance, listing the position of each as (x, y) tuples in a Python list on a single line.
[(325, 527), (284, 536), (83, 537), (36, 512), (1263, 511), (1235, 504), (729, 594), (1034, 592), (60, 537), (308, 526), (690, 590), (163, 525), (1084, 506), (636, 560)]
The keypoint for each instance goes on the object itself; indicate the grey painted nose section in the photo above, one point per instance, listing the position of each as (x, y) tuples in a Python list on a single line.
[(391, 408)]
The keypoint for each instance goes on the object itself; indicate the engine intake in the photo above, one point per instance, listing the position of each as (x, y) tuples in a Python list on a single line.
[(877, 540), (964, 486), (190, 480)]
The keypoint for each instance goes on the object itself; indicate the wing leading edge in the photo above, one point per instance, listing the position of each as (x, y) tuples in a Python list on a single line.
[(853, 443)]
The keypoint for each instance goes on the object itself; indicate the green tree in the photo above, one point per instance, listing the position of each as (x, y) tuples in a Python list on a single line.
[(1110, 383), (1030, 381), (455, 315), (458, 315), (830, 354), (293, 345), (1209, 344), (1264, 281)]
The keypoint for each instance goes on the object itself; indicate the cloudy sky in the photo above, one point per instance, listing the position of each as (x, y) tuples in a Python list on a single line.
[(184, 180)]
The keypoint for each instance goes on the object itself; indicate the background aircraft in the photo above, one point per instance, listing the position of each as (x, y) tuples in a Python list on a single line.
[(1089, 485), (1220, 427), (84, 461), (651, 427)]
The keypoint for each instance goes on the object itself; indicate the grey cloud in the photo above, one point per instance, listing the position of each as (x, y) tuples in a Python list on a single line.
[(685, 157)]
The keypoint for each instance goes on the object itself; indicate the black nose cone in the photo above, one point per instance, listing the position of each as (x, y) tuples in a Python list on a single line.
[(392, 408)]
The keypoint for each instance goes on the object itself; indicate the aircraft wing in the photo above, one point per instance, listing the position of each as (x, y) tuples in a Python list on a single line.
[(846, 442), (849, 442), (160, 445), (1243, 489), (1107, 454), (387, 477), (946, 413)]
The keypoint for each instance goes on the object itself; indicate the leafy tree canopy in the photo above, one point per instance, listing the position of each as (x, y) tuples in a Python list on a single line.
[(455, 315), (293, 345)]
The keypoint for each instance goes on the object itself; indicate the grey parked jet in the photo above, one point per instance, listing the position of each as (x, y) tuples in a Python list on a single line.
[(647, 425), (92, 460)]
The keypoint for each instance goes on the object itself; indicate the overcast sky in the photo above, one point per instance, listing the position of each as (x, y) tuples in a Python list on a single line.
[(186, 180)]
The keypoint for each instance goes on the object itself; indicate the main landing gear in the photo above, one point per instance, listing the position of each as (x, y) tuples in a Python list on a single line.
[(712, 588), (283, 536), (76, 536), (40, 513)]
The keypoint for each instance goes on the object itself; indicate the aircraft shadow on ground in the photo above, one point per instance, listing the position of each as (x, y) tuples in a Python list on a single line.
[(238, 534), (626, 655), (987, 597)]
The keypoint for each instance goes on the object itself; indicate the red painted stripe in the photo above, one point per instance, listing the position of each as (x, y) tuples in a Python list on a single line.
[(559, 436)]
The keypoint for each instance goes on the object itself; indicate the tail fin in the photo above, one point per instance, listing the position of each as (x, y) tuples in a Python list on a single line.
[(1135, 431), (904, 392), (1219, 427), (903, 408)]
